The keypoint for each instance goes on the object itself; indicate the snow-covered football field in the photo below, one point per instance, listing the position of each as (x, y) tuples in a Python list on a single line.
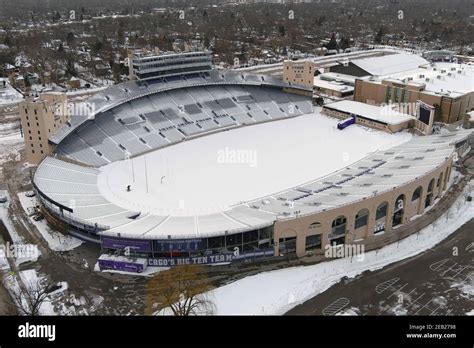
[(211, 173)]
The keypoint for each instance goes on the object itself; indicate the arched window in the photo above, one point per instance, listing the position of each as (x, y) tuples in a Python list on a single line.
[(398, 211), (338, 230), (339, 226), (441, 183), (361, 218), (446, 178), (314, 225), (381, 211), (431, 186), (416, 194), (429, 193)]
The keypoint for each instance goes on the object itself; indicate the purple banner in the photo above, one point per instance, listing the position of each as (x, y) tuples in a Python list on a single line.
[(197, 260), (208, 260), (121, 266), (122, 243)]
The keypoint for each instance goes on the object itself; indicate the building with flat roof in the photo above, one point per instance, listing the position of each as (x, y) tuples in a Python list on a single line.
[(439, 55), (303, 71), (334, 85), (152, 64), (381, 118), (448, 87), (332, 88), (335, 76), (380, 65)]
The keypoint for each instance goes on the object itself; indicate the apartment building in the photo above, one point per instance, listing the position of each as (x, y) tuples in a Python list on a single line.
[(41, 117)]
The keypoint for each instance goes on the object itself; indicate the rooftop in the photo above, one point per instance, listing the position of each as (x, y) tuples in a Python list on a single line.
[(332, 85), (390, 64), (332, 76), (377, 113), (449, 79)]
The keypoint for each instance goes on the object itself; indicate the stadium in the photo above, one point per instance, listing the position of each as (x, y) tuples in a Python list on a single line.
[(222, 165)]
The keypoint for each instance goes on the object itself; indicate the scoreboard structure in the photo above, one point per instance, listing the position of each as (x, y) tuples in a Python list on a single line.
[(424, 117)]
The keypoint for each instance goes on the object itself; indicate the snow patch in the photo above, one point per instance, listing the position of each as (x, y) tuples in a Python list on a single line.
[(56, 240)]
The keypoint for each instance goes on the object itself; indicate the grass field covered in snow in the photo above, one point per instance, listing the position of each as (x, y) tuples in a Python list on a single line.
[(211, 173)]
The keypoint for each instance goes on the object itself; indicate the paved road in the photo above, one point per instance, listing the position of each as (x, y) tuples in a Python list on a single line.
[(435, 282)]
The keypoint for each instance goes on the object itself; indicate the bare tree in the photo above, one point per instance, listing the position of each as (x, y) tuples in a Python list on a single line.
[(181, 289), (28, 297)]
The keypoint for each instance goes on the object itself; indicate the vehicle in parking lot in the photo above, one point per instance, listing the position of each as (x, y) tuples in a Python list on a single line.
[(31, 211), (38, 217)]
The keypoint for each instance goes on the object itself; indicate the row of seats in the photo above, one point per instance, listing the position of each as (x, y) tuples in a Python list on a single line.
[(165, 118)]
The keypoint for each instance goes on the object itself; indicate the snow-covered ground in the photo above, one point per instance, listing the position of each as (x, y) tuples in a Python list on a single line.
[(56, 240), (19, 250), (276, 292), (466, 287), (4, 266), (211, 173), (9, 95), (5, 217), (349, 311), (471, 116), (10, 146), (8, 127), (79, 92)]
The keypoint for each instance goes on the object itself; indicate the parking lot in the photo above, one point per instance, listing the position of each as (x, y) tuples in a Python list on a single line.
[(439, 281)]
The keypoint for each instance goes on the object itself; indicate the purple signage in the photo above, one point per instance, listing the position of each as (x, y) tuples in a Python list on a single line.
[(346, 123), (207, 259), (120, 265), (122, 243)]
